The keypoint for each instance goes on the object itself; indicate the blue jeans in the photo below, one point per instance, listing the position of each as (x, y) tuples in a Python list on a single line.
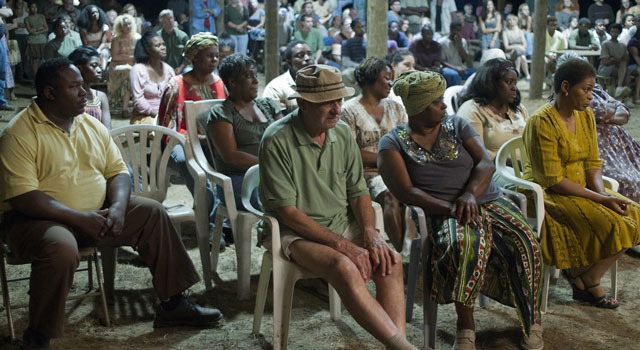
[(453, 78), (179, 162), (241, 41), (3, 74), (236, 183)]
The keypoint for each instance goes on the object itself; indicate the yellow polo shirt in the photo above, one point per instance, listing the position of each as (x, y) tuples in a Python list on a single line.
[(72, 167)]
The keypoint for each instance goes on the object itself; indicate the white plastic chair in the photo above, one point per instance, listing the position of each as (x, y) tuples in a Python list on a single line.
[(196, 114), (449, 98), (140, 146), (285, 272), (514, 150)]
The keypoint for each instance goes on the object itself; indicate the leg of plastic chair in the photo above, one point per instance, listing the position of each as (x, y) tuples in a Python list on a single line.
[(109, 258), (6, 298), (545, 288), (263, 288), (284, 281), (215, 244), (334, 303), (412, 276), (202, 233), (484, 301), (430, 316), (103, 298), (614, 280), (556, 273), (90, 272), (243, 253)]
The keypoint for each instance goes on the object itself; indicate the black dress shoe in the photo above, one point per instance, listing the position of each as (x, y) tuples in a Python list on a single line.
[(34, 340), (186, 313)]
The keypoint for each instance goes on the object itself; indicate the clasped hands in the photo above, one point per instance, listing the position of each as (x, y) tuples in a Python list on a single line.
[(465, 210), (96, 224), (373, 256)]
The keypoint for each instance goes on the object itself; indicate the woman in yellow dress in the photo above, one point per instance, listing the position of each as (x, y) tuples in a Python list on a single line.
[(586, 228)]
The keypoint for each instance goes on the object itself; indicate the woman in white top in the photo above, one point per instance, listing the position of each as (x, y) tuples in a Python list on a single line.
[(370, 116)]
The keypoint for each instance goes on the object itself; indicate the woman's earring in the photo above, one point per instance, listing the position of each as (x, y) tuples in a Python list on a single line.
[(566, 93)]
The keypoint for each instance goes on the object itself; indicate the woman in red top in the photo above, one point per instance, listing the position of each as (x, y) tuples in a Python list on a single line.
[(198, 84)]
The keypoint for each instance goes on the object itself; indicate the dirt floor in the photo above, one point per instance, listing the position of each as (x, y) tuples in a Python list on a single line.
[(567, 324)]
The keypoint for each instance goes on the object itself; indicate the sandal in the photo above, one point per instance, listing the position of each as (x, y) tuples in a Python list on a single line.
[(583, 295)]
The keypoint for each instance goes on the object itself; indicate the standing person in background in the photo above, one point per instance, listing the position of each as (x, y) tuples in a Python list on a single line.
[(94, 31), (323, 9), (565, 14), (36, 25), (441, 13), (414, 12), (124, 41), (149, 77), (599, 10), (174, 39), (87, 59), (311, 36), (625, 6), (490, 26), (394, 11), (204, 16), (131, 10), (525, 23), (515, 45), (235, 16), (5, 13)]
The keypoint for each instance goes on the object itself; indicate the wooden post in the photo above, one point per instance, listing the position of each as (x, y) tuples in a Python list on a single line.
[(271, 54), (377, 28), (537, 61), (219, 19)]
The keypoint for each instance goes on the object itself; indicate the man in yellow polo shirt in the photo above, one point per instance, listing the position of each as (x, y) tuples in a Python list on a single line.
[(311, 179), (63, 184)]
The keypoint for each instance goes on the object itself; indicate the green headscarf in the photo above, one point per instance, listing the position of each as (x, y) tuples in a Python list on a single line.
[(419, 89), (199, 42)]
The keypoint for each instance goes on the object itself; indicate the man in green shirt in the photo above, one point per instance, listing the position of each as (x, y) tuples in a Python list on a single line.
[(311, 36), (311, 180), (174, 39)]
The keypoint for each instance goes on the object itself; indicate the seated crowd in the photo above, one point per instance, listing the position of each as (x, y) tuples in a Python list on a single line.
[(323, 162)]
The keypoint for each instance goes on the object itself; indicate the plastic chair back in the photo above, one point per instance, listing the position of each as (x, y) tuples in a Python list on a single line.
[(449, 98)]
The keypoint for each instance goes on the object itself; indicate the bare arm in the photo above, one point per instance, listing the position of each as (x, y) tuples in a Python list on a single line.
[(118, 193), (369, 159), (104, 106), (224, 141)]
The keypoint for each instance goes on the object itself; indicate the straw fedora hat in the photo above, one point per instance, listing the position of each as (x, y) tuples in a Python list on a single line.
[(320, 83)]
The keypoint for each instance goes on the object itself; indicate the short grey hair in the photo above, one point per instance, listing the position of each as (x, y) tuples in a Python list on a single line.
[(567, 56), (165, 12)]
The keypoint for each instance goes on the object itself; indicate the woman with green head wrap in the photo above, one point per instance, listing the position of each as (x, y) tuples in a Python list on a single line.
[(479, 241), (200, 83)]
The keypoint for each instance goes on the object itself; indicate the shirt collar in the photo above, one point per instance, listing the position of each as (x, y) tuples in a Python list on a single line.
[(38, 116)]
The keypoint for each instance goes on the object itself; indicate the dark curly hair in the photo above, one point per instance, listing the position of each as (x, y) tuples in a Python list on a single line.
[(368, 70), (485, 83), (573, 71), (233, 65), (85, 22), (141, 52)]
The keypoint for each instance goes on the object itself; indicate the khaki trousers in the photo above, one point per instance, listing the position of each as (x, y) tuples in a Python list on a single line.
[(53, 250)]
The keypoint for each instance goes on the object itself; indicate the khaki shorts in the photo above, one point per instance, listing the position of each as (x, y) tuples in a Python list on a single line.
[(353, 233)]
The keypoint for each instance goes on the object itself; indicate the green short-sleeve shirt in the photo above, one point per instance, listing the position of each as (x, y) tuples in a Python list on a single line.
[(313, 38), (246, 133), (319, 181)]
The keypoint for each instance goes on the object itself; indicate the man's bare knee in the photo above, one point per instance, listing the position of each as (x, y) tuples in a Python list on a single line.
[(343, 270)]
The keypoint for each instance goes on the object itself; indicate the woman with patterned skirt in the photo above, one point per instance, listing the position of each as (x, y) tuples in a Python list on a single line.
[(480, 241)]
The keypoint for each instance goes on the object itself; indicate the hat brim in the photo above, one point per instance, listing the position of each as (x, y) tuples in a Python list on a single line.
[(320, 97)]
